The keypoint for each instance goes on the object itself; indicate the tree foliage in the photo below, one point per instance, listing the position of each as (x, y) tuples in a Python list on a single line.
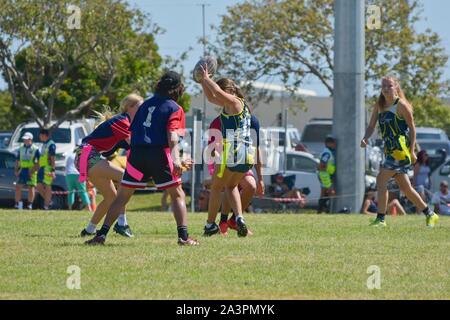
[(292, 41), (54, 71)]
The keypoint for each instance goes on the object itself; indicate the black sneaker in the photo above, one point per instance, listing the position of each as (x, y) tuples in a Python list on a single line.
[(242, 230), (84, 233), (123, 230), (97, 240), (212, 230)]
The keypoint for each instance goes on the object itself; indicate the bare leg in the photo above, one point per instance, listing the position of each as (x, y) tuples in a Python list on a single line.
[(31, 194), (101, 176), (231, 189), (405, 186), (118, 205), (18, 194), (48, 195), (215, 198), (178, 201), (382, 181), (248, 187)]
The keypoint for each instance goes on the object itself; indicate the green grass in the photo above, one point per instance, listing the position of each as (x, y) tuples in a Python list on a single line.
[(301, 256)]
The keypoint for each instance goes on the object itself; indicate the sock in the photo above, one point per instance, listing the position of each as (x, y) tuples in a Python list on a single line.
[(103, 231), (380, 216), (91, 227), (223, 217), (182, 232), (122, 220), (240, 219), (427, 211), (20, 204)]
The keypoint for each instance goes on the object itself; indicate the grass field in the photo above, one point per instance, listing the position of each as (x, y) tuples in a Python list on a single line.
[(303, 256)]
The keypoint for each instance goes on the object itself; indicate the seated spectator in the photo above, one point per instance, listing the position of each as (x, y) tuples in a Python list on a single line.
[(279, 189), (370, 205), (441, 199), (421, 179)]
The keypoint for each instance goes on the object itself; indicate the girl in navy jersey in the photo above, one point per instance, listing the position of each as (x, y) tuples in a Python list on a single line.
[(238, 152), (90, 161), (154, 154)]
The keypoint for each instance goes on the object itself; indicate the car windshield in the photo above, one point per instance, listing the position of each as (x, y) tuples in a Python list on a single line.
[(316, 132), (428, 136), (431, 148), (59, 135)]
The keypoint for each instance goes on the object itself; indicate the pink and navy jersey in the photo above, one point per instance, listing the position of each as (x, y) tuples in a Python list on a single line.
[(155, 117), (108, 134)]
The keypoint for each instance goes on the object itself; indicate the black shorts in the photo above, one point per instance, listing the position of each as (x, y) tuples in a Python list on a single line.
[(148, 162)]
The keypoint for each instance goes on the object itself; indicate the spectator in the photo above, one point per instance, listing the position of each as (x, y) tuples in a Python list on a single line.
[(370, 205), (73, 183), (46, 172), (327, 171), (441, 199), (281, 190), (25, 170), (421, 179)]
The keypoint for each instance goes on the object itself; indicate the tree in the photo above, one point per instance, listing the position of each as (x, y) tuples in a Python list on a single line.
[(293, 40), (56, 70), (9, 118)]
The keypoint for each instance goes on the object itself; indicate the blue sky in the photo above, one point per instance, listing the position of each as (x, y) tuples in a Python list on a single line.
[(182, 21)]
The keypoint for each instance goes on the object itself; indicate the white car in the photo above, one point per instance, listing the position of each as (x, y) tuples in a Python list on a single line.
[(304, 166), (430, 134), (277, 136), (66, 137)]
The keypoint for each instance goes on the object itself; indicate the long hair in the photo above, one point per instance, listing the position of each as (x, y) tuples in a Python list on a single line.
[(130, 101), (229, 85), (421, 158), (173, 93), (382, 100)]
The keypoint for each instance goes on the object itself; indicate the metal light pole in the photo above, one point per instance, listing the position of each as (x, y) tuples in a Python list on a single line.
[(349, 103)]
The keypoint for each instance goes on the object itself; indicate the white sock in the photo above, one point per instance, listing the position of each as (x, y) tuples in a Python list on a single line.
[(122, 220), (240, 217), (91, 228), (20, 205)]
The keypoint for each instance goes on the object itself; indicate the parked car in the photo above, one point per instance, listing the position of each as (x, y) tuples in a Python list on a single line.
[(315, 132), (277, 136), (433, 147), (8, 184), (304, 166), (430, 134), (66, 137), (5, 138)]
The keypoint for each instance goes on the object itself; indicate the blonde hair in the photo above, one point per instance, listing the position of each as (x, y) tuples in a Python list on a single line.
[(130, 101), (400, 93)]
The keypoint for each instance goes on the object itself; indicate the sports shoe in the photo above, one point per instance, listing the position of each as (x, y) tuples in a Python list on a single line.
[(188, 242), (84, 233), (97, 240), (123, 230), (432, 220), (232, 223), (242, 230), (223, 226), (30, 207), (212, 230), (378, 223)]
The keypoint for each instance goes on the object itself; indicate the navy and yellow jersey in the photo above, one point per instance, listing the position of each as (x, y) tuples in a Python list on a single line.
[(395, 133), (237, 140)]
